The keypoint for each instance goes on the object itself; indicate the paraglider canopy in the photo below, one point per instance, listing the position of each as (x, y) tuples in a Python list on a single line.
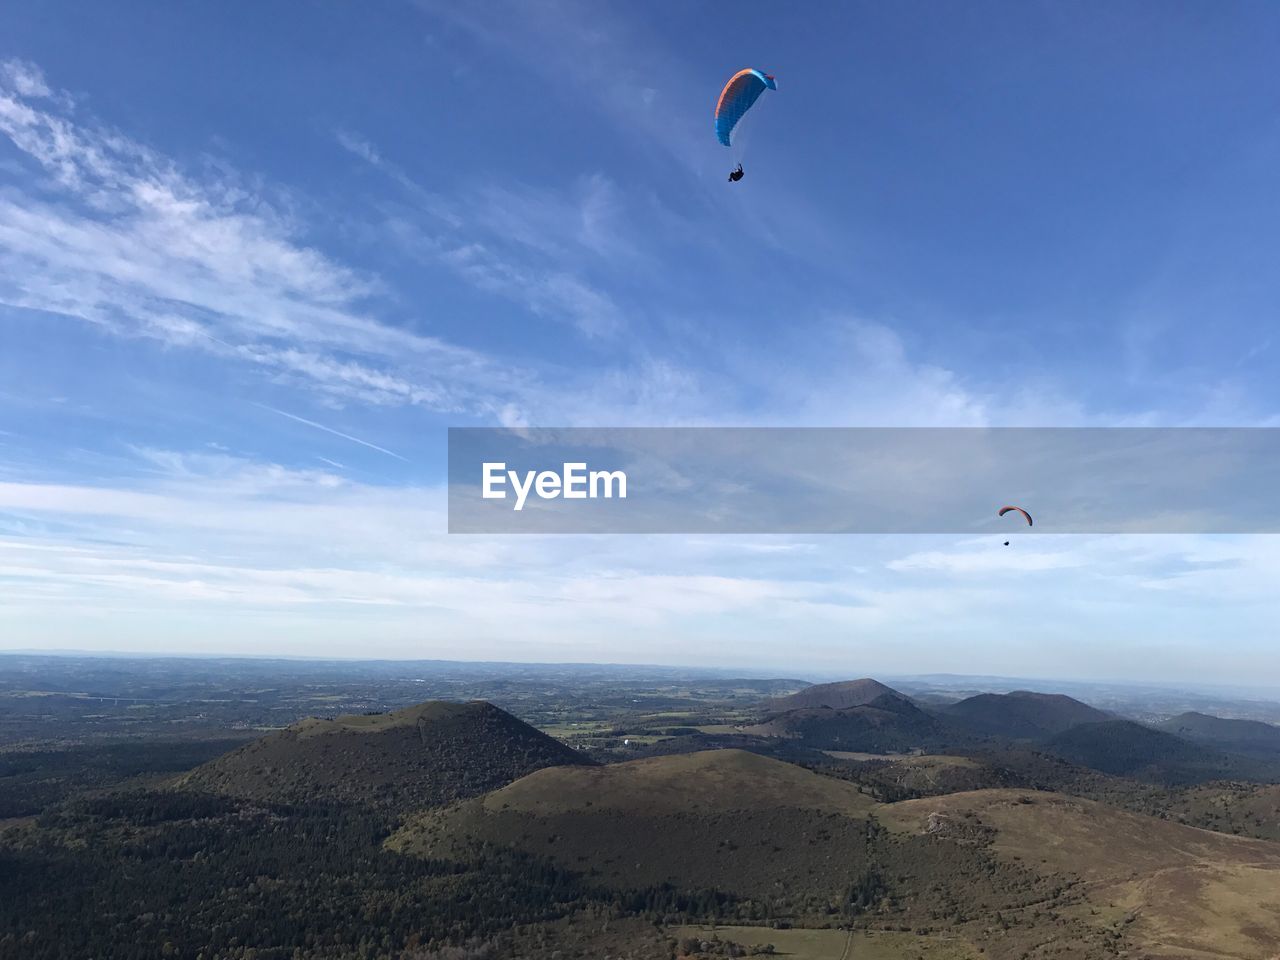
[(742, 90), (1027, 516)]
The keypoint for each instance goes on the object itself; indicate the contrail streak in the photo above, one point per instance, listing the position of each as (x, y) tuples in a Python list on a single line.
[(336, 433)]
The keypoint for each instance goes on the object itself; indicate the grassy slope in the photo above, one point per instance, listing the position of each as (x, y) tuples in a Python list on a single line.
[(1246, 809), (932, 774), (1190, 892)]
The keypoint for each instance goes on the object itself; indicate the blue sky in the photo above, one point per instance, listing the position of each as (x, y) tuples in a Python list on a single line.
[(254, 260)]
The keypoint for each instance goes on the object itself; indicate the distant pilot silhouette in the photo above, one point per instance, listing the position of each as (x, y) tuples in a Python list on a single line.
[(736, 175)]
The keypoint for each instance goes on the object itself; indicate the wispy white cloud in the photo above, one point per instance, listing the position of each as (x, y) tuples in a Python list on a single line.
[(519, 244), (26, 78), (120, 237), (580, 48), (553, 294), (359, 146), (860, 373), (586, 220), (989, 558), (234, 475)]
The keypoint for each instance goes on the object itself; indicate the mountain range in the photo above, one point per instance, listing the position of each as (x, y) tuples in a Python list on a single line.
[(1004, 825)]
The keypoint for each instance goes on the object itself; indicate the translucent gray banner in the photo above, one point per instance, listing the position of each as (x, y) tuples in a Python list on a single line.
[(864, 480)]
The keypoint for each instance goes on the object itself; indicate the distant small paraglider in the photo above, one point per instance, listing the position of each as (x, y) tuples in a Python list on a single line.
[(1026, 516)]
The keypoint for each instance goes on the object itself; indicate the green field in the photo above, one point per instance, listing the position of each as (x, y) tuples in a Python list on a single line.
[(796, 943), (878, 945), (800, 944)]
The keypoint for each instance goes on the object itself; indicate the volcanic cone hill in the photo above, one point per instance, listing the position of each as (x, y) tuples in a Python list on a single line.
[(1252, 737), (1127, 749), (727, 819), (834, 696), (888, 724), (421, 756), (1022, 714)]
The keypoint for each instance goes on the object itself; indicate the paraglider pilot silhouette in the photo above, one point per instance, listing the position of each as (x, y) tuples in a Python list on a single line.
[(742, 90)]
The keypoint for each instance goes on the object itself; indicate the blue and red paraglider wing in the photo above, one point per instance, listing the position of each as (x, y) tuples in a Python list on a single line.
[(742, 90)]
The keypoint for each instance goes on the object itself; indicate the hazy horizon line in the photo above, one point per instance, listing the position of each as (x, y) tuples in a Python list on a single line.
[(746, 673)]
